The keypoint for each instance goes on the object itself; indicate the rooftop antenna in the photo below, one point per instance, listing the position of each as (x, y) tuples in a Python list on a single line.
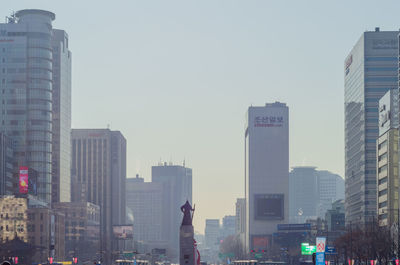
[(108, 126), (184, 162), (12, 18)]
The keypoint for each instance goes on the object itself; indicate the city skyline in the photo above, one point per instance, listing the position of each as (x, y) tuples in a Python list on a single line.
[(244, 73)]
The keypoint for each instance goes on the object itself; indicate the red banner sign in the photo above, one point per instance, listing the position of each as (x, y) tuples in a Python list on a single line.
[(23, 180)]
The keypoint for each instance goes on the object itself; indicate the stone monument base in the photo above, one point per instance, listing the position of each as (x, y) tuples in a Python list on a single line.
[(186, 244)]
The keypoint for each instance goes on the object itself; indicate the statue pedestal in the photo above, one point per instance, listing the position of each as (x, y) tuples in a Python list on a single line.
[(186, 244)]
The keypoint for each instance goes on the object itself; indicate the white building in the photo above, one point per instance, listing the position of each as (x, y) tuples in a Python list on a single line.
[(267, 172)]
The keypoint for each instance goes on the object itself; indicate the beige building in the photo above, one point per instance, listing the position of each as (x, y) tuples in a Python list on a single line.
[(388, 178), (13, 218), (38, 226)]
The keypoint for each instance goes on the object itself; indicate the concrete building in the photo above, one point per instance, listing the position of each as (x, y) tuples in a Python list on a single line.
[(387, 155), (82, 229), (46, 230), (370, 70), (61, 126), (177, 182), (7, 182), (27, 68), (212, 234), (99, 163), (145, 199), (312, 192), (267, 172)]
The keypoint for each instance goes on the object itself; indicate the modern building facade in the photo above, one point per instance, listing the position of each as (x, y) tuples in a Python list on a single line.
[(145, 199), (304, 194), (177, 182), (61, 126), (370, 70), (387, 155), (267, 172), (312, 192), (26, 84), (6, 165), (99, 164)]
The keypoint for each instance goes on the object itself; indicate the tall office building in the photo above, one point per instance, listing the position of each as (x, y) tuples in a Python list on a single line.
[(304, 194), (241, 219), (228, 226), (145, 199), (370, 71), (6, 165), (212, 234), (267, 172), (28, 67), (99, 163), (61, 101), (177, 182), (387, 155), (312, 192)]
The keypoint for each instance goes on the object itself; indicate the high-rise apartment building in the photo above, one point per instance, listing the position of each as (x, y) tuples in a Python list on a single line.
[(99, 165), (177, 182), (267, 172), (61, 127), (370, 70), (387, 155), (28, 78)]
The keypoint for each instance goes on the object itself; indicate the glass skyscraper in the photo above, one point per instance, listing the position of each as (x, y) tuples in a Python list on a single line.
[(26, 83), (370, 71)]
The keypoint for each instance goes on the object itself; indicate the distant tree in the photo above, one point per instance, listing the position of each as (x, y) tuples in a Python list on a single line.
[(232, 244), (366, 243)]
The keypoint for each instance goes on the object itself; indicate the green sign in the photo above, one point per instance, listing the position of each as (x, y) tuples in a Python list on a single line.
[(306, 249), (258, 255), (226, 255)]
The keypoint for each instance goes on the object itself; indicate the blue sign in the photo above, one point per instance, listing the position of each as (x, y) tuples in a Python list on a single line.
[(320, 258), (306, 226), (330, 250)]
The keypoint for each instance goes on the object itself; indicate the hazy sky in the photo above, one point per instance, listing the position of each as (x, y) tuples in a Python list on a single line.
[(176, 78)]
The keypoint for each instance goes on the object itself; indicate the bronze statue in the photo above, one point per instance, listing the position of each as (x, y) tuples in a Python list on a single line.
[(187, 216)]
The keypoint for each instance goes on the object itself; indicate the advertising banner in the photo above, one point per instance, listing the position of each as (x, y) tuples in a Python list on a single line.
[(23, 180), (123, 231), (320, 254)]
